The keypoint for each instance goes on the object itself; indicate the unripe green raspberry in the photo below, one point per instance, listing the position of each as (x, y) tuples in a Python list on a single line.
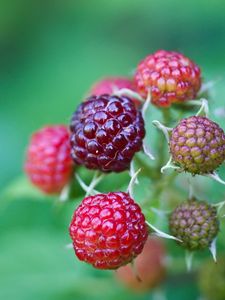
[(197, 145), (195, 223)]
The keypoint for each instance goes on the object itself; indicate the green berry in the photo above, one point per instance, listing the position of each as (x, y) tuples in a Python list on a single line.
[(195, 223), (197, 145)]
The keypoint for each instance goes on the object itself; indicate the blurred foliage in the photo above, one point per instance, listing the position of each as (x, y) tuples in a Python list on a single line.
[(50, 53), (212, 279)]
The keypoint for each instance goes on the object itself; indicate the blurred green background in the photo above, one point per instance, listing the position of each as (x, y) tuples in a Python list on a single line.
[(51, 51)]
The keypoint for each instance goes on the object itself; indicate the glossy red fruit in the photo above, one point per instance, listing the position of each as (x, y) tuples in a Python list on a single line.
[(149, 267), (170, 76), (48, 163), (108, 230), (106, 132)]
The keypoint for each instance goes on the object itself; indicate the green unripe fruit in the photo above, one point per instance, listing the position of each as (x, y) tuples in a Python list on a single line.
[(195, 223), (197, 145)]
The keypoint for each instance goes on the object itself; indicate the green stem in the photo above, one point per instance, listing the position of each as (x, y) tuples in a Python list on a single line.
[(146, 169), (167, 117), (161, 147), (162, 181), (161, 143)]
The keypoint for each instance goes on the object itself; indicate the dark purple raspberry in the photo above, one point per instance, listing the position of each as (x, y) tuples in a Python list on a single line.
[(106, 131), (108, 230), (195, 223), (197, 145)]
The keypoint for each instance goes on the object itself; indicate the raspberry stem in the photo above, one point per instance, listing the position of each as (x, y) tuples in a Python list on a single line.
[(167, 117)]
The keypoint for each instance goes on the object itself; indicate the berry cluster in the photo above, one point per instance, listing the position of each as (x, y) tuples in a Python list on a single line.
[(106, 132)]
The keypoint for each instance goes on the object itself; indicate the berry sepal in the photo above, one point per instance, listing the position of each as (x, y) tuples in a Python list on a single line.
[(212, 249), (162, 234), (90, 190), (146, 148), (129, 93), (204, 108), (132, 182), (215, 176), (189, 255), (165, 130), (171, 165)]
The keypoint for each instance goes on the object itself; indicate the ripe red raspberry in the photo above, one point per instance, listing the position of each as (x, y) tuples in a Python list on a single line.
[(108, 230), (197, 144), (195, 223), (48, 163), (109, 84), (149, 267), (106, 131), (170, 76)]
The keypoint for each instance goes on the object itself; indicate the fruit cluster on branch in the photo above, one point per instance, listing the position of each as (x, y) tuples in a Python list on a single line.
[(106, 131)]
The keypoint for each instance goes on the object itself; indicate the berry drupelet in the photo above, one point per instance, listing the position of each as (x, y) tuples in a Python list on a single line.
[(48, 163), (106, 132), (197, 145), (195, 223), (108, 230), (170, 76)]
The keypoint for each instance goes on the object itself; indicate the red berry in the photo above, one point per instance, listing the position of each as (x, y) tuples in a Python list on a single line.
[(110, 84), (108, 230), (48, 163), (106, 132), (170, 76), (149, 270)]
